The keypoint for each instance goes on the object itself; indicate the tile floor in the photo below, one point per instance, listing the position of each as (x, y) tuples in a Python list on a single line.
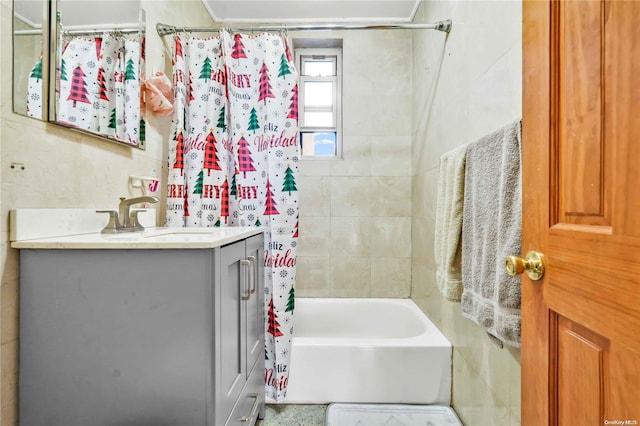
[(294, 415)]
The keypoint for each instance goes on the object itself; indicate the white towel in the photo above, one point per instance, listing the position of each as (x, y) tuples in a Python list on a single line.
[(448, 244), (492, 230)]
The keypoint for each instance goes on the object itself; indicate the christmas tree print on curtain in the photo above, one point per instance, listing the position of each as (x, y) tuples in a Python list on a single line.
[(239, 119), (238, 48), (198, 187), (265, 88), (36, 72), (293, 107), (34, 91), (291, 300), (78, 92), (289, 181), (274, 325), (211, 154), (245, 162), (270, 203), (93, 84), (284, 66), (102, 85), (224, 200), (253, 121)]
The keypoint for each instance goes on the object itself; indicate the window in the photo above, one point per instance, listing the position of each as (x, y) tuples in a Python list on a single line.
[(320, 101)]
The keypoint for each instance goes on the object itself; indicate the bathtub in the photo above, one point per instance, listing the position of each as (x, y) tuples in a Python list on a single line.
[(367, 350)]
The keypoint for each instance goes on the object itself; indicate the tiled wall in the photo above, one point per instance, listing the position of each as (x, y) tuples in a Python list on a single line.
[(466, 85), (66, 169), (355, 212)]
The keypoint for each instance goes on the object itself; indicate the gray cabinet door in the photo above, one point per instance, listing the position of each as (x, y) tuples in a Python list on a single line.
[(115, 337), (255, 304), (231, 369)]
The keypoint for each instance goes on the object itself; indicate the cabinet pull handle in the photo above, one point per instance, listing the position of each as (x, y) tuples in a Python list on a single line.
[(252, 274), (247, 268), (254, 408)]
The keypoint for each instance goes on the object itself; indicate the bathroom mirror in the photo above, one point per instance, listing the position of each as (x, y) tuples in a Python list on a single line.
[(78, 64)]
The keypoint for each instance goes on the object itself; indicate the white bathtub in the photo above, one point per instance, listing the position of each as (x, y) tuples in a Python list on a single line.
[(367, 350)]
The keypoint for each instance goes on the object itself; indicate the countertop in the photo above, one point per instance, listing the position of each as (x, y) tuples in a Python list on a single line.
[(152, 238), (80, 229)]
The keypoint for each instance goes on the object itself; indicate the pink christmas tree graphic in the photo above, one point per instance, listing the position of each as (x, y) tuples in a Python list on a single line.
[(237, 50), (102, 87), (178, 47), (98, 41), (245, 162), (224, 200), (270, 203), (78, 92), (264, 86), (293, 108)]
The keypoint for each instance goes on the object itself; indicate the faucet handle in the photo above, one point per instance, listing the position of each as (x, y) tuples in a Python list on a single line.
[(114, 225), (134, 219)]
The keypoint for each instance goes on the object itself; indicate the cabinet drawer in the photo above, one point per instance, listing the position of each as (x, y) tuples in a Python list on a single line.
[(250, 405)]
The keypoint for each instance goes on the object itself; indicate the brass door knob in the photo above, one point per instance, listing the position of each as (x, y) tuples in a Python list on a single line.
[(532, 264)]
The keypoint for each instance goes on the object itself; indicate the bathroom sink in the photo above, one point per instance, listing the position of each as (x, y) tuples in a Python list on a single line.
[(152, 233), (159, 232)]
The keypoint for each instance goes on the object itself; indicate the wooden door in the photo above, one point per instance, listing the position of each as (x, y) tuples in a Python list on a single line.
[(581, 209)]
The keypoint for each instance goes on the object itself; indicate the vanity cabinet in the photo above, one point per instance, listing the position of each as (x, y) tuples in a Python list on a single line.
[(142, 336)]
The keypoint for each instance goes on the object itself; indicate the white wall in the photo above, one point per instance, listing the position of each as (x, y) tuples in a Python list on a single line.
[(465, 86), (355, 212)]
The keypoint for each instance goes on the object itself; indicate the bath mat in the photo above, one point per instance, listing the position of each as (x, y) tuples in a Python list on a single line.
[(390, 415)]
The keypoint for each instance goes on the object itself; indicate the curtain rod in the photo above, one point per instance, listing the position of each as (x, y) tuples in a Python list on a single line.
[(84, 32), (444, 26)]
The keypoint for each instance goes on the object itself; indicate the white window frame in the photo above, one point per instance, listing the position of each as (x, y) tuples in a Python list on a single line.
[(337, 97)]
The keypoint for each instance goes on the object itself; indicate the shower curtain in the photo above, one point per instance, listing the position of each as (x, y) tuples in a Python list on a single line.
[(99, 86), (233, 161)]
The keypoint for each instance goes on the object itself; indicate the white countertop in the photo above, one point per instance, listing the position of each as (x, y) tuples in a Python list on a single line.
[(151, 238), (80, 229)]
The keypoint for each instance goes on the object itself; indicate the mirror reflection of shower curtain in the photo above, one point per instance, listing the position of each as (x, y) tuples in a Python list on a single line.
[(233, 161), (98, 86), (34, 90)]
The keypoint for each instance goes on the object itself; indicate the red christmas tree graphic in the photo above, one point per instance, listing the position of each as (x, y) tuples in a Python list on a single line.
[(224, 200), (293, 108), (273, 320), (98, 41), (264, 87), (179, 163), (245, 162), (238, 48), (287, 51), (191, 98), (211, 154), (78, 92), (295, 234), (186, 201), (102, 87), (270, 203), (178, 47)]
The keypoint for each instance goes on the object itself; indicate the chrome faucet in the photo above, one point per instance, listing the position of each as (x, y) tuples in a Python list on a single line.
[(124, 220)]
